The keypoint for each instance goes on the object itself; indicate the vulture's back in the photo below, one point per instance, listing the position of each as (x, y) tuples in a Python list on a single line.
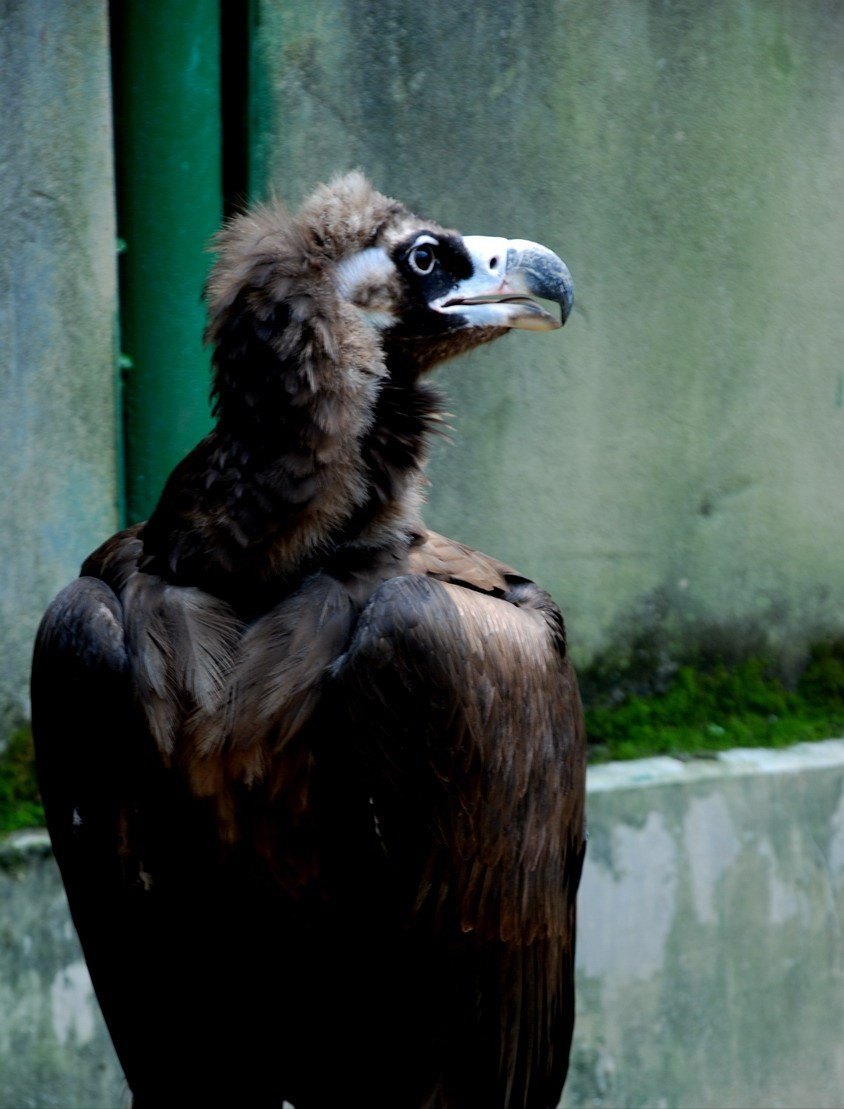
[(410, 844)]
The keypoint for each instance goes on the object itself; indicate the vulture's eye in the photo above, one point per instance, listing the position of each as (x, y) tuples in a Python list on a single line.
[(423, 257)]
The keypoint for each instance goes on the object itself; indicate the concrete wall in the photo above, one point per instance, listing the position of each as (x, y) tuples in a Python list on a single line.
[(54, 1050), (670, 464), (711, 942), (58, 457), (710, 950)]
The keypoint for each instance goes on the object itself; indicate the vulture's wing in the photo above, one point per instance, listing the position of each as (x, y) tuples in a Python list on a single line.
[(171, 939), (81, 715), (466, 713)]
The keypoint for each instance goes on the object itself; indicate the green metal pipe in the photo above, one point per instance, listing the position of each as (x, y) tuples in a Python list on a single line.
[(168, 137)]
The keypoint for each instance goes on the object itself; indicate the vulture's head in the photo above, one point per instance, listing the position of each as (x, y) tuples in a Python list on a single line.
[(322, 325), (357, 280)]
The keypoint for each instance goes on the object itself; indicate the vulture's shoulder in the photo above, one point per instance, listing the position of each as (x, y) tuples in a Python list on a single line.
[(458, 622), (437, 556), (455, 630), (470, 571), (82, 631), (81, 694), (115, 560)]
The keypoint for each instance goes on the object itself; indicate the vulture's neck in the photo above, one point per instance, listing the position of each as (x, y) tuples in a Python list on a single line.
[(273, 494)]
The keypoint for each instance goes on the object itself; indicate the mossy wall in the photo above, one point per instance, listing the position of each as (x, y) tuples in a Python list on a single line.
[(670, 465)]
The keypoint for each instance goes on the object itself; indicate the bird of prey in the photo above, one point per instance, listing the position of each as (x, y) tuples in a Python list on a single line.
[(314, 775)]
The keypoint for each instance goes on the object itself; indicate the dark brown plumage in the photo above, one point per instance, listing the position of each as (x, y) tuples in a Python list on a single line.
[(313, 774)]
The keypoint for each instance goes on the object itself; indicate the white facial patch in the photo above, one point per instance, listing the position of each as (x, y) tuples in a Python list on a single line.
[(489, 255), (367, 280)]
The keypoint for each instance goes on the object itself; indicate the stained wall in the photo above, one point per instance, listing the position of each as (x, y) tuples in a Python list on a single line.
[(58, 303)]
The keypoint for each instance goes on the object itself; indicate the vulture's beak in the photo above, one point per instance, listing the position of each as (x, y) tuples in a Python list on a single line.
[(508, 273)]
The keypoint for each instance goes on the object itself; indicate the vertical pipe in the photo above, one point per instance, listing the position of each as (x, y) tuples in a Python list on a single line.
[(166, 60)]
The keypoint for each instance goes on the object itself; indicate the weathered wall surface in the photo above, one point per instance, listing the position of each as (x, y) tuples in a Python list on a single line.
[(710, 949), (58, 456), (711, 945), (54, 1050), (670, 464), (672, 461)]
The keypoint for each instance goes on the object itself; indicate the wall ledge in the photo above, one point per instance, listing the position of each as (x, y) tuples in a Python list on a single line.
[(734, 763)]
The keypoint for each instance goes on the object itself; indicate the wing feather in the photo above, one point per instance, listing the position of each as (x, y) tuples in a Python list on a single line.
[(83, 719), (182, 643), (468, 718), (155, 906), (79, 674)]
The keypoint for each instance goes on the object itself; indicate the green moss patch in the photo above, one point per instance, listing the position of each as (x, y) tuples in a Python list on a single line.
[(707, 710), (20, 801)]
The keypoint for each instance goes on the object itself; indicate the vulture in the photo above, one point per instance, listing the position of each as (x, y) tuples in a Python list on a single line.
[(313, 774)]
